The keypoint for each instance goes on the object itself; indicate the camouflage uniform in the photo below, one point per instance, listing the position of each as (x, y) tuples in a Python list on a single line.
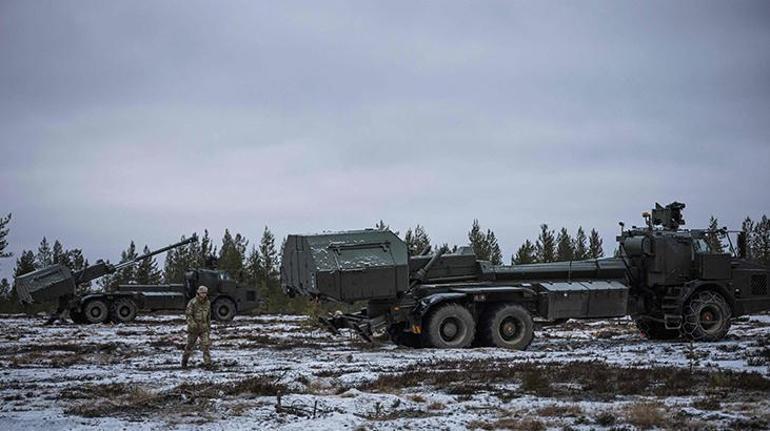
[(198, 315)]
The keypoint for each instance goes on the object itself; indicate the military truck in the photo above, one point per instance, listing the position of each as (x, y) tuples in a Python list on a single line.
[(58, 284), (228, 297), (680, 286), (667, 279)]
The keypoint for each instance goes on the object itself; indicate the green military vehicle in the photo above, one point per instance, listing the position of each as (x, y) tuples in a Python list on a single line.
[(667, 279), (58, 284), (227, 296)]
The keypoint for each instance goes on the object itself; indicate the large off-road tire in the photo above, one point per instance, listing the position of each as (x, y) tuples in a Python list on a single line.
[(449, 326), (77, 317), (123, 311), (223, 309), (509, 326), (706, 317), (96, 311), (653, 330), (400, 337)]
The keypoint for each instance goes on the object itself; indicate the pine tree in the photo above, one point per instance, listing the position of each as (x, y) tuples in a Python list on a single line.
[(126, 275), (4, 221), (748, 227), (178, 261), (5, 289), (205, 250), (147, 271), (564, 247), (59, 255), (253, 267), (44, 255), (713, 237), (170, 265), (595, 249), (495, 254), (232, 254), (74, 259), (525, 254), (545, 247), (25, 263), (580, 246), (417, 241), (761, 243), (478, 241), (269, 257)]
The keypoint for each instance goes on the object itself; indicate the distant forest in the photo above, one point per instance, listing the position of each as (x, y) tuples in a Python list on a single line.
[(259, 264)]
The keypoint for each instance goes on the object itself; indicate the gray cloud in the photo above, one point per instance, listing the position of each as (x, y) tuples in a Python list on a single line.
[(147, 120)]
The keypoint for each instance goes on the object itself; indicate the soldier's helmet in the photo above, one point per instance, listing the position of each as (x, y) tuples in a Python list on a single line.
[(203, 289)]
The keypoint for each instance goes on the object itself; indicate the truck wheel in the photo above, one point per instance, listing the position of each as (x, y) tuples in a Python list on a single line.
[(95, 311), (223, 309), (450, 326), (123, 311), (508, 326), (400, 337), (653, 330), (77, 317), (706, 317)]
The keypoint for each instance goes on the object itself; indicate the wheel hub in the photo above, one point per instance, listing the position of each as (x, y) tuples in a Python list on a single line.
[(710, 319), (509, 329), (449, 330)]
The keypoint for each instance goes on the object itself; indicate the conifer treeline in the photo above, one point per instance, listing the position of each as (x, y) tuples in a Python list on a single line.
[(549, 246), (553, 247), (258, 264), (757, 239)]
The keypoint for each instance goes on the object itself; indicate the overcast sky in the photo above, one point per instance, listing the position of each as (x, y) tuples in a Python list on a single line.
[(147, 120)]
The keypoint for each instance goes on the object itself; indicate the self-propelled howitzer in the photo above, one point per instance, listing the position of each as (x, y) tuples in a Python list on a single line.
[(445, 300), (58, 283), (669, 280)]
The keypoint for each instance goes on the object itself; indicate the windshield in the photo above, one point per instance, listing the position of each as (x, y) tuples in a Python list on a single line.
[(701, 246)]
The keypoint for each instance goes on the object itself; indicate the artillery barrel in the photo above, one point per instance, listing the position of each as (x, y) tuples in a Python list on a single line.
[(595, 269), (156, 252)]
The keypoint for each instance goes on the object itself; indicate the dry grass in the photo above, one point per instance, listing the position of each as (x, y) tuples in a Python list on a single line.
[(646, 415), (132, 401), (64, 355), (560, 410), (436, 406), (709, 403), (576, 379), (417, 398), (606, 418), (519, 424), (239, 409)]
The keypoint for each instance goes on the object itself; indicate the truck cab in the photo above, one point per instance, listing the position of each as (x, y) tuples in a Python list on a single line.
[(227, 296), (681, 286)]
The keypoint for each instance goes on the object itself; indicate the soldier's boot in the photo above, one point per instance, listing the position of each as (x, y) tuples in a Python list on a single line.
[(185, 358), (206, 359)]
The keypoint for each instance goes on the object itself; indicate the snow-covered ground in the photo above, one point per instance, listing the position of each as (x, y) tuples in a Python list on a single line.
[(281, 372)]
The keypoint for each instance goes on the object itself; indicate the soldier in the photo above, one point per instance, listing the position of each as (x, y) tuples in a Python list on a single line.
[(198, 315)]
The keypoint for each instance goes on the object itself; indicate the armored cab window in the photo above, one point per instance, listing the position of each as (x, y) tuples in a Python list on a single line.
[(700, 246)]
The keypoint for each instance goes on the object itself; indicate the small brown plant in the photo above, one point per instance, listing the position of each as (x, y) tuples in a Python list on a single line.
[(646, 415)]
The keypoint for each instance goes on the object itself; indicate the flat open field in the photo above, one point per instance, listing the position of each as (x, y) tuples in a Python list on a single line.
[(281, 372)]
